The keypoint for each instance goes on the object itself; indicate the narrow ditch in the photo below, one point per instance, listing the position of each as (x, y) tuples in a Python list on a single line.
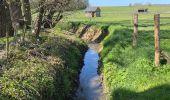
[(90, 87)]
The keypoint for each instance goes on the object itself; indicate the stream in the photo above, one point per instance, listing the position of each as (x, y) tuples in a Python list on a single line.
[(90, 84)]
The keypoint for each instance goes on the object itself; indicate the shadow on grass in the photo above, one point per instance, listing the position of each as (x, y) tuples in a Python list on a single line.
[(123, 37), (158, 93), (120, 40), (145, 49)]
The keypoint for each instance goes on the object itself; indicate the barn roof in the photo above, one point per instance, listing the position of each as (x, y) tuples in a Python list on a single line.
[(91, 9)]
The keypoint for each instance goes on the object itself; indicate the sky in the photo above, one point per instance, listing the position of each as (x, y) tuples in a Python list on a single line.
[(125, 2)]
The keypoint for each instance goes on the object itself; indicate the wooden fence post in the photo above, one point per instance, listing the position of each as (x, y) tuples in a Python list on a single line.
[(157, 38), (135, 33)]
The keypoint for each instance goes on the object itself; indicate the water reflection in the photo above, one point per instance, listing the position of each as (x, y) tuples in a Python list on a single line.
[(90, 84)]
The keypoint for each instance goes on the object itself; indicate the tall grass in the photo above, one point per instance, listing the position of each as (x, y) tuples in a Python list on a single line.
[(47, 71), (130, 73)]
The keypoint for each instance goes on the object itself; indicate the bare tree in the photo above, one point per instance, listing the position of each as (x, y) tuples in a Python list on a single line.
[(47, 7)]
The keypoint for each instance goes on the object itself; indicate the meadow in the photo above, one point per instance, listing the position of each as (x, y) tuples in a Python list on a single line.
[(129, 73), (112, 14)]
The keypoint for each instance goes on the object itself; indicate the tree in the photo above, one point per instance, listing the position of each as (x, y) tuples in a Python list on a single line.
[(38, 21), (47, 9), (26, 11), (5, 23), (15, 11), (5, 19), (78, 4)]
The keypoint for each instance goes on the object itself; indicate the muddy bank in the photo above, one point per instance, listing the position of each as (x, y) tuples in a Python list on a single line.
[(98, 47), (90, 33), (93, 34)]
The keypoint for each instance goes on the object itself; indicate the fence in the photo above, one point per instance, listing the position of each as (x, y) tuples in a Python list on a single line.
[(158, 52)]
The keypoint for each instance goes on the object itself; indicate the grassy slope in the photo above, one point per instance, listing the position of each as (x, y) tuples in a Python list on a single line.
[(130, 73), (49, 76)]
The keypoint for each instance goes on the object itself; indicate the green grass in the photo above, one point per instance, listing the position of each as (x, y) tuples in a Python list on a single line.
[(112, 14), (129, 73), (49, 76)]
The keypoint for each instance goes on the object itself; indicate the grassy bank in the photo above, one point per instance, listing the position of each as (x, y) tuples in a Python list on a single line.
[(130, 73), (47, 70)]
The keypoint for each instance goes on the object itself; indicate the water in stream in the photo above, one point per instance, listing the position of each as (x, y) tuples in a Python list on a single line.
[(90, 85)]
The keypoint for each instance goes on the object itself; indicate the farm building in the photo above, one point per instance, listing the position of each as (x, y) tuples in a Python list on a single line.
[(142, 10), (93, 12)]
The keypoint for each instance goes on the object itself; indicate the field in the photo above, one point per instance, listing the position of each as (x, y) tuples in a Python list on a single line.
[(112, 14), (129, 73)]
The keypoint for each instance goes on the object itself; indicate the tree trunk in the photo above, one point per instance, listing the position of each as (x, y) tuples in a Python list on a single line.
[(5, 19), (26, 11), (7, 44), (38, 22), (16, 12)]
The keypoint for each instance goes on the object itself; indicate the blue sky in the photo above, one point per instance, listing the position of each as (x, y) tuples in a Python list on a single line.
[(124, 2)]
